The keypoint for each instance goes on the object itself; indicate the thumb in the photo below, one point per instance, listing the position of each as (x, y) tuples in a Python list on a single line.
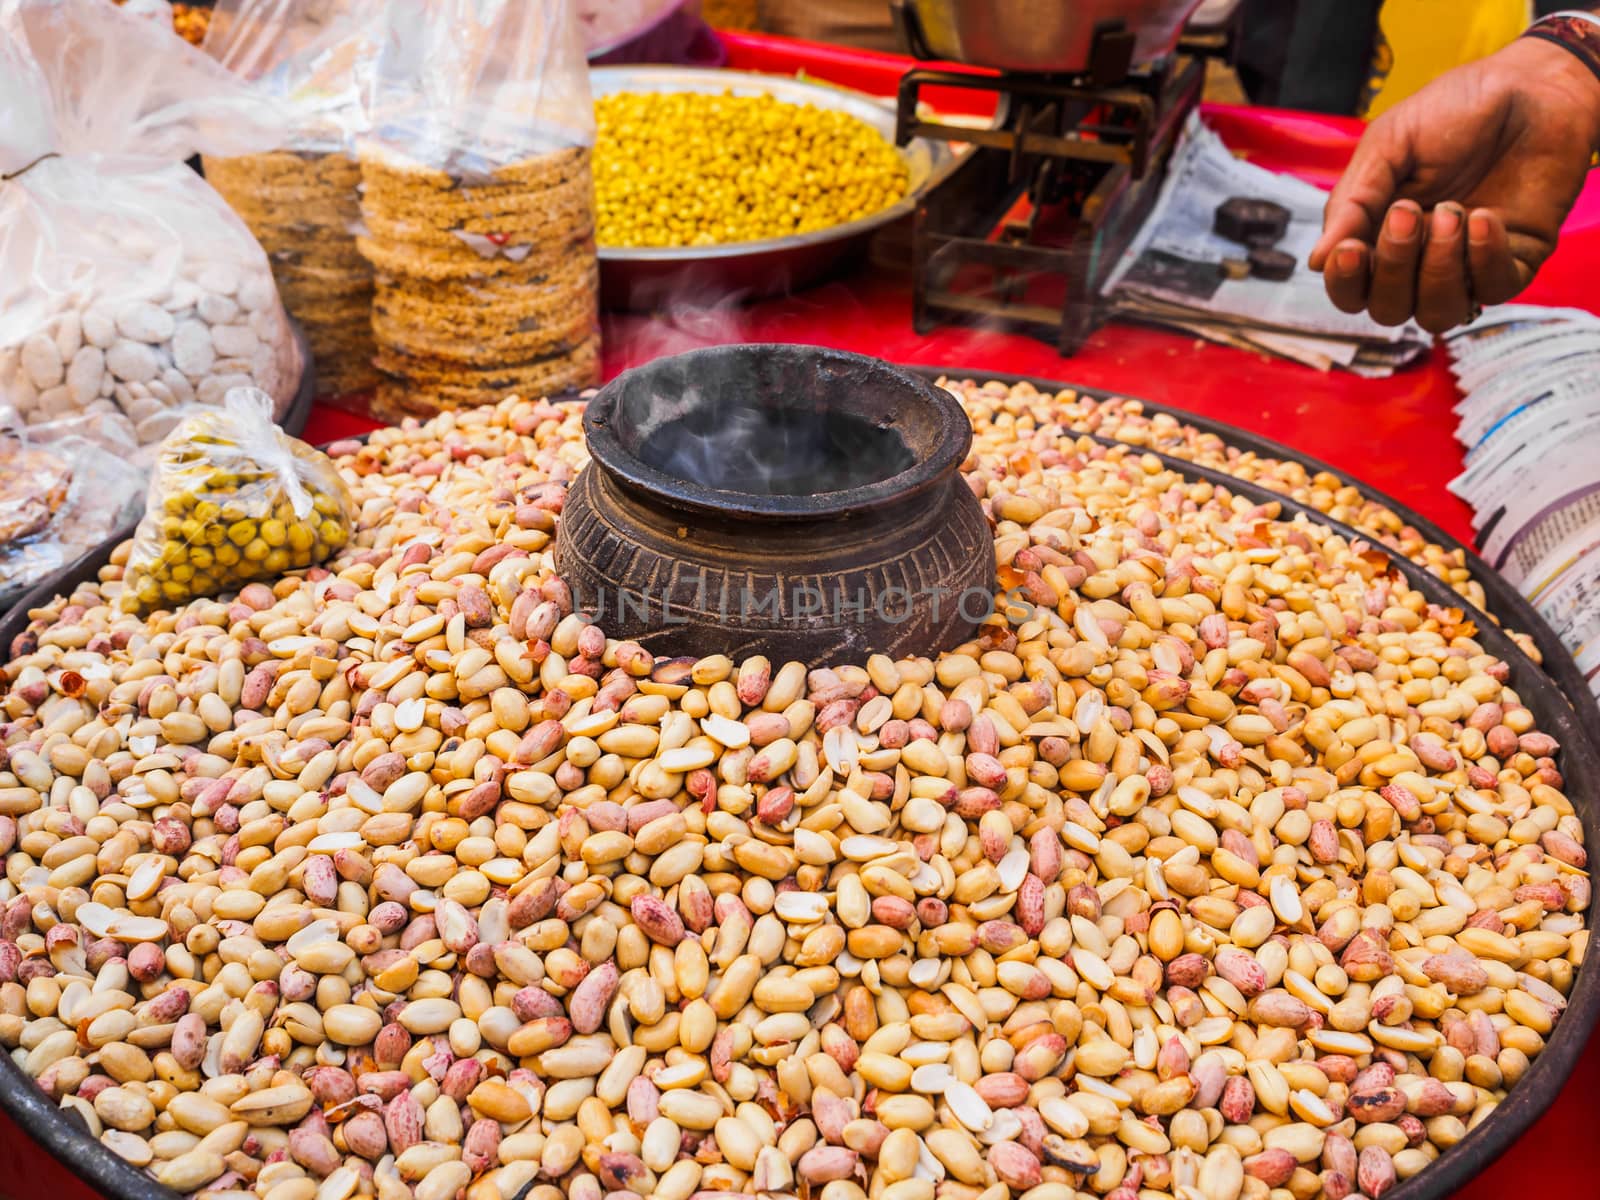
[(1364, 192)]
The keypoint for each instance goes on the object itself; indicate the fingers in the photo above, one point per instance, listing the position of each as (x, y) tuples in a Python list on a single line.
[(1364, 191), (1497, 274), (1444, 297), (1395, 262), (1346, 274), (1433, 267), (1342, 220)]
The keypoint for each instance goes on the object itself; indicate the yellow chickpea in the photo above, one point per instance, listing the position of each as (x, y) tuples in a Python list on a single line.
[(696, 169)]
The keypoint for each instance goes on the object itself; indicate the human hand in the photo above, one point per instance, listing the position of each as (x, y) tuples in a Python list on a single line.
[(1498, 151)]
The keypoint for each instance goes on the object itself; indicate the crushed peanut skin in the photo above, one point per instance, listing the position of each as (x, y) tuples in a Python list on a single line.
[(1220, 866)]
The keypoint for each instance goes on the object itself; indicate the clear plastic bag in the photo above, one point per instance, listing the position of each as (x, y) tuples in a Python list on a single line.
[(476, 174), (58, 499), (33, 482), (313, 59), (474, 86), (233, 499), (128, 289), (157, 11)]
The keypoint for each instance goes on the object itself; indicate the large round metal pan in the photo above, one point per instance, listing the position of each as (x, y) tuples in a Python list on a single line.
[(1573, 720), (81, 570), (1504, 601), (644, 278)]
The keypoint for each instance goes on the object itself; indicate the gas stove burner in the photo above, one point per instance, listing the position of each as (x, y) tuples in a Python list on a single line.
[(799, 503), (1023, 232)]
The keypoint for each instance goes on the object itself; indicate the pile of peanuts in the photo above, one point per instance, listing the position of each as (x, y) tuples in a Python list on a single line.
[(1219, 866), (1126, 421)]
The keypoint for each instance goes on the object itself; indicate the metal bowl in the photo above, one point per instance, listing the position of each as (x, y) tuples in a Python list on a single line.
[(1054, 36), (646, 277)]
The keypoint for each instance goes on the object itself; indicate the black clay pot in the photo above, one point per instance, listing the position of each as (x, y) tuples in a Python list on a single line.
[(795, 502)]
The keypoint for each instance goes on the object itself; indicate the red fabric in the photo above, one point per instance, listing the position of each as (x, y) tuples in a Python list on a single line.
[(1395, 434)]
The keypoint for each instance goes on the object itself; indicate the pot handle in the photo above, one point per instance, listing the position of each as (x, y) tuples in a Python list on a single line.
[(1111, 53), (909, 29)]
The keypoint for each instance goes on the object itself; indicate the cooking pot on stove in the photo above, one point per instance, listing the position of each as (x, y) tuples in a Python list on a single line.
[(623, 32), (1047, 36)]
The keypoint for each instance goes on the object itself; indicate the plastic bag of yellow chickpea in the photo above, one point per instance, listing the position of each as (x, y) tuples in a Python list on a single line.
[(233, 499)]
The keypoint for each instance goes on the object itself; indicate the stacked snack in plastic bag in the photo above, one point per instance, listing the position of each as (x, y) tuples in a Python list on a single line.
[(301, 199), (478, 204), (233, 499), (128, 289)]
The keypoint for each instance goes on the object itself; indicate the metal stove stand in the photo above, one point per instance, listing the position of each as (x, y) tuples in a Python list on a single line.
[(1022, 232)]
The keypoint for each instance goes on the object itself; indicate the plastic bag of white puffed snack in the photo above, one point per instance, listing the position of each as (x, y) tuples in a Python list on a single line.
[(233, 499), (128, 288)]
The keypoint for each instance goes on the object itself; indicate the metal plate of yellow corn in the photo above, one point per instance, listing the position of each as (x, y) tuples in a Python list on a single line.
[(713, 184)]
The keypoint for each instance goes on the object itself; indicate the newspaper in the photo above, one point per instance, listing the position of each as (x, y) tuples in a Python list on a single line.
[(1565, 588), (1529, 422), (1173, 275)]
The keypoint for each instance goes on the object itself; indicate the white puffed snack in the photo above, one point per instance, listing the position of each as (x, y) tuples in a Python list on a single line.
[(141, 355)]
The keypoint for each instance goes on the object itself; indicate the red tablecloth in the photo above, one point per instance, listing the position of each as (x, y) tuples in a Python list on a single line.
[(1395, 434)]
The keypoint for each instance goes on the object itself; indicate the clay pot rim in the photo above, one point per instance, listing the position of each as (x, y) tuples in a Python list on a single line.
[(950, 430)]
